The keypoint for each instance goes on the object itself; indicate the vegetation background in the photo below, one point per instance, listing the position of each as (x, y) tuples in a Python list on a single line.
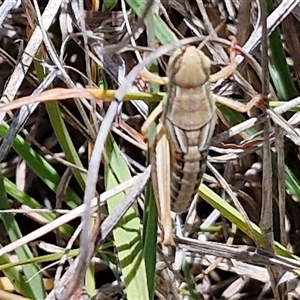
[(240, 239)]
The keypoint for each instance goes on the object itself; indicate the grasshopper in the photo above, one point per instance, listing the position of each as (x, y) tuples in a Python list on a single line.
[(183, 135)]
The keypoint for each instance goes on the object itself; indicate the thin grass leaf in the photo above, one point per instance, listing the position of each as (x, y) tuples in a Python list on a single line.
[(191, 285), (90, 283), (41, 259), (150, 238), (65, 140)]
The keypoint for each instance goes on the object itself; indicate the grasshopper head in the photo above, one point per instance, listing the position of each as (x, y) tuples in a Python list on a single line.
[(188, 67)]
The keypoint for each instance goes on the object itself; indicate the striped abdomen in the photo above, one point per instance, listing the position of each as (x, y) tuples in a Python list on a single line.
[(188, 164), (187, 170)]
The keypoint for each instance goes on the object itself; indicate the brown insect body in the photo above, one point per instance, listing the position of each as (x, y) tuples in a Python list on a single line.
[(183, 135), (189, 118)]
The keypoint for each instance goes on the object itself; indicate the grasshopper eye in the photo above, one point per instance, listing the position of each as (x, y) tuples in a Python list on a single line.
[(206, 63)]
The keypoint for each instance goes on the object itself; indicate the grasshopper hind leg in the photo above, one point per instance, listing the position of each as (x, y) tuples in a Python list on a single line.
[(161, 173)]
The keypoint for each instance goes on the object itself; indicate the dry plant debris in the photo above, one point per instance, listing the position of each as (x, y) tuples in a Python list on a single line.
[(78, 216)]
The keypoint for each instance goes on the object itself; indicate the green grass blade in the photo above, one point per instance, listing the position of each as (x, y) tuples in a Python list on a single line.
[(31, 271), (191, 285), (16, 278), (23, 198), (230, 213), (127, 235), (164, 34), (45, 258), (150, 238), (109, 4), (65, 140), (40, 167), (279, 70)]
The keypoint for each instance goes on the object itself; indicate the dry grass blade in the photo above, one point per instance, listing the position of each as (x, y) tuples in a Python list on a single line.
[(5, 8), (73, 215), (266, 216), (279, 143), (279, 14), (242, 253), (284, 125), (50, 95), (29, 53), (23, 116), (244, 21)]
